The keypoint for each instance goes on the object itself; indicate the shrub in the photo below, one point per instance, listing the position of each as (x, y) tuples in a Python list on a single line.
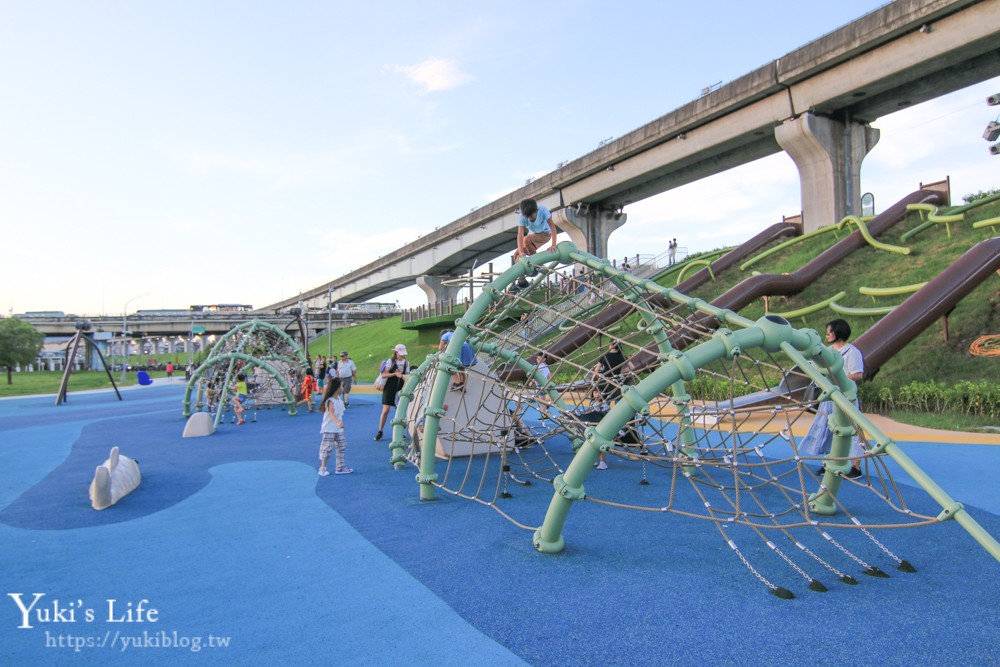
[(982, 194), (979, 398)]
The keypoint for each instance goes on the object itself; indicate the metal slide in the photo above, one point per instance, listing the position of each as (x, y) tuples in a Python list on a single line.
[(925, 306), (907, 321), (758, 286)]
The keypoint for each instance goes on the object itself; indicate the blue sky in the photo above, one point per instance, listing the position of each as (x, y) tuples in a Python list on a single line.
[(241, 152)]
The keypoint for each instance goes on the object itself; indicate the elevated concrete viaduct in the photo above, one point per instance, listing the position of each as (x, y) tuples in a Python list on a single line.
[(816, 103)]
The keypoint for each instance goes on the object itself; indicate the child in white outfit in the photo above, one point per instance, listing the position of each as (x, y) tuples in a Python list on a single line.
[(332, 429)]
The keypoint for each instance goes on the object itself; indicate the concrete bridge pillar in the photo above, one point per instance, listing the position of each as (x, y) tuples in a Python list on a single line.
[(828, 153), (436, 290), (589, 228)]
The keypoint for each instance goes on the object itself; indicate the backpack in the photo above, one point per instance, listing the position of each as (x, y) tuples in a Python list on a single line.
[(379, 383), (387, 365)]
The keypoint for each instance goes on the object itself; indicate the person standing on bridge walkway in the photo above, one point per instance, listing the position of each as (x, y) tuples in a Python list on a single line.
[(534, 228)]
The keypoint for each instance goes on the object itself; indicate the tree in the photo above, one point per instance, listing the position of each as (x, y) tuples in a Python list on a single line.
[(20, 344)]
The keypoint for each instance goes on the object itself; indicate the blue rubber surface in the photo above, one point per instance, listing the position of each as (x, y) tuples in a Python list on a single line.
[(234, 536)]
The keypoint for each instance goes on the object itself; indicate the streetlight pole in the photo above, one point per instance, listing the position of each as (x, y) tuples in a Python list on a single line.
[(329, 325), (125, 333)]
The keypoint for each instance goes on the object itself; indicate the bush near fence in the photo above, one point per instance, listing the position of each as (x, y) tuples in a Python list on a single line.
[(968, 398), (975, 398)]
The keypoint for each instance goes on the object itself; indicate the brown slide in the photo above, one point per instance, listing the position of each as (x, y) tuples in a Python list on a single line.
[(789, 284), (934, 300)]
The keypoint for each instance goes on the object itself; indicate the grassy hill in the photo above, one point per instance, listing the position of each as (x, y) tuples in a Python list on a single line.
[(370, 343), (928, 358)]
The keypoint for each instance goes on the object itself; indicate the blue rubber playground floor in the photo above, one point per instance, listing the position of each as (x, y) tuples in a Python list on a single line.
[(234, 551)]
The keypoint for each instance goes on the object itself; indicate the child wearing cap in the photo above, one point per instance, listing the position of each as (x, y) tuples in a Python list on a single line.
[(392, 371)]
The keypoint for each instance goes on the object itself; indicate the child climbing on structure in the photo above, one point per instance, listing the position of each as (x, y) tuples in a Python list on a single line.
[(239, 395)]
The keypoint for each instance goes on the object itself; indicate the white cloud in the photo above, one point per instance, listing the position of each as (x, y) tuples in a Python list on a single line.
[(277, 172), (361, 245), (433, 75)]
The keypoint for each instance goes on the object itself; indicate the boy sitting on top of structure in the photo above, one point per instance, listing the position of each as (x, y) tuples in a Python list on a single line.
[(534, 228)]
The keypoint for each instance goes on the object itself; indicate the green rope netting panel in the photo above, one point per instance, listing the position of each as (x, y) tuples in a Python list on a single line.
[(703, 413), (267, 356)]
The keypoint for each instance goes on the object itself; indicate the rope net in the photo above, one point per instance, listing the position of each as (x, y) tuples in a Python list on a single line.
[(725, 445), (269, 360)]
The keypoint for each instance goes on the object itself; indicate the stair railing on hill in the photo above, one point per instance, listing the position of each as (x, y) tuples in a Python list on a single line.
[(643, 266)]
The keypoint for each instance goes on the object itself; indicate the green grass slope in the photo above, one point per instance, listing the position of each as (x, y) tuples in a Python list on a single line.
[(929, 358), (370, 343)]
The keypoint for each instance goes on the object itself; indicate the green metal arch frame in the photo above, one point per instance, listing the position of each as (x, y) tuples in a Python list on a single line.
[(214, 357), (448, 363), (232, 357), (823, 365), (260, 324)]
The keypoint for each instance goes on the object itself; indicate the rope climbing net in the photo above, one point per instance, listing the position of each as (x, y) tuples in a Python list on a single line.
[(268, 359), (668, 406)]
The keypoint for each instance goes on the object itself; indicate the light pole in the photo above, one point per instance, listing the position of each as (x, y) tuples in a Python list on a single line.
[(329, 325), (125, 333)]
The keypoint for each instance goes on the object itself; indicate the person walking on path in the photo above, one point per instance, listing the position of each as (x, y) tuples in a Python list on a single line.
[(332, 429), (393, 372), (347, 373)]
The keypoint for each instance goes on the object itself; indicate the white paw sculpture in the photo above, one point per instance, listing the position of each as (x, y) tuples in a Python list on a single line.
[(199, 424), (113, 480)]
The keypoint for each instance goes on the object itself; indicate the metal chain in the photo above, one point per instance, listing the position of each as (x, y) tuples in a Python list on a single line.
[(732, 545)]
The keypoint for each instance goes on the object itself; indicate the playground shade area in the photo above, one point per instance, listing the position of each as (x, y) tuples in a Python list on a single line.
[(248, 557)]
